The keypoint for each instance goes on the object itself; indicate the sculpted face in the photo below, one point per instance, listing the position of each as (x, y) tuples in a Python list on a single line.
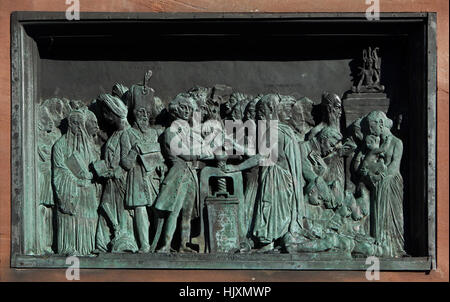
[(236, 113), (232, 102), (213, 111), (372, 142), (250, 111), (266, 108), (335, 109), (184, 111), (92, 126), (328, 138), (375, 127), (76, 123), (183, 107), (285, 112), (203, 109), (108, 116), (142, 117), (301, 117), (263, 113)]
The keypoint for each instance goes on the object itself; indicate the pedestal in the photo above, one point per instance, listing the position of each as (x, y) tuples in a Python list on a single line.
[(356, 105), (223, 224), (224, 209)]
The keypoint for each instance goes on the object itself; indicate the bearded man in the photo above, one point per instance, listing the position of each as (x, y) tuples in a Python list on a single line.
[(141, 157)]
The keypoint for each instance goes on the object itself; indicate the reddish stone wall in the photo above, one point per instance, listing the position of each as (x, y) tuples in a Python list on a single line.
[(439, 6)]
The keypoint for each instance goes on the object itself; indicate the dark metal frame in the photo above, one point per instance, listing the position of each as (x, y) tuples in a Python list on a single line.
[(24, 175)]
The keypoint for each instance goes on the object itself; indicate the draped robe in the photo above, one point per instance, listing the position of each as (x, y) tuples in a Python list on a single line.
[(387, 202), (142, 187), (279, 203), (113, 197)]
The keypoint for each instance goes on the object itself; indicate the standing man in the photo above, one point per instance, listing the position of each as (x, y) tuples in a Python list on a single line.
[(141, 157), (112, 201), (279, 206), (179, 191)]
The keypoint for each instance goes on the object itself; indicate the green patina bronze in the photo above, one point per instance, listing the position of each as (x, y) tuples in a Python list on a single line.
[(126, 174), (293, 186), (103, 179)]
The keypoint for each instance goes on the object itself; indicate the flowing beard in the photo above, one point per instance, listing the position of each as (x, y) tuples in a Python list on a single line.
[(143, 124), (335, 119)]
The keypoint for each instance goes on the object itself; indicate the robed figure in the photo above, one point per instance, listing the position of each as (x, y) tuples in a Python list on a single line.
[(75, 192), (48, 134), (142, 159), (113, 197), (279, 207), (386, 183)]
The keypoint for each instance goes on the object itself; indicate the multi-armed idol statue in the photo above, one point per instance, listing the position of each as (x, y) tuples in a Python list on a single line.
[(219, 171)]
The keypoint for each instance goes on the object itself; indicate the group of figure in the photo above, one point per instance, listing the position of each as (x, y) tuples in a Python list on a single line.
[(101, 188)]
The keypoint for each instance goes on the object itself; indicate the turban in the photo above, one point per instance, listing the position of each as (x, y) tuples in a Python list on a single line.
[(114, 104), (119, 90)]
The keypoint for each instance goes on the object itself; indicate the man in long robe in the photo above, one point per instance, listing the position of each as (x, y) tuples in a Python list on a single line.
[(279, 207), (113, 197), (141, 157)]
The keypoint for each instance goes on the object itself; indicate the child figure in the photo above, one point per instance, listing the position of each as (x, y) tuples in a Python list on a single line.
[(373, 167)]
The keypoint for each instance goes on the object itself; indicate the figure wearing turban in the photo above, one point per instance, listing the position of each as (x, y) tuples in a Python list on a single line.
[(113, 198), (141, 157)]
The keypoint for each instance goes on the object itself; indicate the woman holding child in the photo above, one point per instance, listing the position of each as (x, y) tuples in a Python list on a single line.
[(380, 169)]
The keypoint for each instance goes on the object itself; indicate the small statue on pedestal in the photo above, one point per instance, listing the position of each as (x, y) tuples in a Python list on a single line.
[(370, 72)]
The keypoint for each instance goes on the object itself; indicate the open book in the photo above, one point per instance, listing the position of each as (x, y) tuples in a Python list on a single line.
[(146, 148), (150, 160)]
